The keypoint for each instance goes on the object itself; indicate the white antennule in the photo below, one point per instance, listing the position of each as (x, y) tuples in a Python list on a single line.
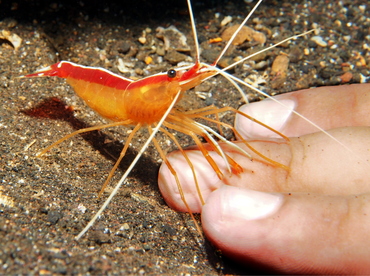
[(194, 29), (129, 169)]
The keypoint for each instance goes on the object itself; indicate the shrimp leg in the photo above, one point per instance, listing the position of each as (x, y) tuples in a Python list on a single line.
[(127, 122)]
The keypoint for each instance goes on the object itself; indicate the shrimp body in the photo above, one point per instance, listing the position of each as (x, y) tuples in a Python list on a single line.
[(119, 99)]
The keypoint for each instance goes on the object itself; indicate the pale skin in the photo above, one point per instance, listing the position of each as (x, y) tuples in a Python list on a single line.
[(314, 218)]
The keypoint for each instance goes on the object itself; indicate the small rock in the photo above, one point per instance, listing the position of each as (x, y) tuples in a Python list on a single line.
[(146, 247), (148, 60), (160, 50), (122, 46), (210, 55), (260, 65), (327, 73), (54, 216), (215, 40), (296, 54), (258, 57), (245, 34), (125, 226), (12, 38), (280, 65), (170, 230), (279, 71), (334, 80), (99, 237), (142, 40), (225, 62), (319, 41), (173, 39), (259, 37), (226, 20), (125, 67), (346, 77), (174, 57)]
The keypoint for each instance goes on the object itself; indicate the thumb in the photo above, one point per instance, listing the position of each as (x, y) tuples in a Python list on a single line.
[(295, 233)]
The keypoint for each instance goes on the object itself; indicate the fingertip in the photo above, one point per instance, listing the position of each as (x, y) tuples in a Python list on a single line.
[(205, 176), (272, 113), (234, 210)]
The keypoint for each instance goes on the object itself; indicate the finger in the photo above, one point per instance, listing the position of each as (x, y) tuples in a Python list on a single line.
[(206, 178), (316, 162), (328, 107), (295, 233)]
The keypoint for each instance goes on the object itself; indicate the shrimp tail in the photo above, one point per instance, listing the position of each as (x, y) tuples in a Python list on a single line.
[(50, 71)]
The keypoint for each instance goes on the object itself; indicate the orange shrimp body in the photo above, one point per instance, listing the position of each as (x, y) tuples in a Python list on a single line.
[(119, 99), (144, 102)]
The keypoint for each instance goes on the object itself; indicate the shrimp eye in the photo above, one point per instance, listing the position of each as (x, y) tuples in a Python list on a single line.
[(171, 73)]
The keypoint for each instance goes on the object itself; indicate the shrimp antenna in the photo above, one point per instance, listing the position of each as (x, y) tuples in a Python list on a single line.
[(236, 33), (129, 169), (228, 76), (288, 108), (195, 36)]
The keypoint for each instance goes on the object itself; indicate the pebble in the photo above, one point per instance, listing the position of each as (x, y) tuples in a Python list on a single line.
[(148, 60), (99, 237), (259, 37), (125, 226), (280, 65), (174, 57), (122, 46), (296, 54), (54, 216), (260, 65), (259, 57), (319, 41), (279, 71), (245, 34), (173, 39), (13, 39), (210, 54), (225, 62), (346, 77), (226, 20), (142, 40), (160, 50), (125, 67)]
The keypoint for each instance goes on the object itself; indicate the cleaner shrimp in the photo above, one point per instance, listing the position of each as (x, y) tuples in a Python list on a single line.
[(150, 103)]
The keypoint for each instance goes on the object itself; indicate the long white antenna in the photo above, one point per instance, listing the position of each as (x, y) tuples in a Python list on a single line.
[(129, 169), (194, 32)]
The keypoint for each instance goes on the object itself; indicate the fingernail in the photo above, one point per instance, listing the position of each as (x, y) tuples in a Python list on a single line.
[(269, 112), (241, 203)]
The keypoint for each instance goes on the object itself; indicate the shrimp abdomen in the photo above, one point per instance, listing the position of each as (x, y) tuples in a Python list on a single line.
[(100, 89)]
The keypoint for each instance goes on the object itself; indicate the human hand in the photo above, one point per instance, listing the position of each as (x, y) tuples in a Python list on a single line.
[(313, 218)]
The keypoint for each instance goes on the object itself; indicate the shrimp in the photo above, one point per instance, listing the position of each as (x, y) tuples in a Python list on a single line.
[(150, 102)]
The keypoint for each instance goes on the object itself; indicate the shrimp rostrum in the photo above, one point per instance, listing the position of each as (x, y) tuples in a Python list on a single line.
[(148, 103)]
